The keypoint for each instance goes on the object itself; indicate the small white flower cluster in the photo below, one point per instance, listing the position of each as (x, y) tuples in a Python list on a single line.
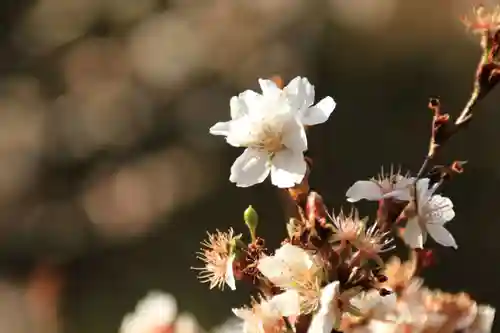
[(418, 309), (329, 272)]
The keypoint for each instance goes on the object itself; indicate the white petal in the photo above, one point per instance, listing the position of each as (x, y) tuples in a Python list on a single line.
[(441, 235), (238, 107), (252, 100), (441, 209), (243, 313), (241, 132), (364, 189), (485, 316), (282, 268), (295, 256), (276, 270), (413, 235), (250, 168), (294, 136), (402, 189), (156, 309), (423, 194), (287, 303), (319, 113), (401, 195), (328, 315), (377, 326), (230, 281), (389, 301), (269, 87), (300, 93), (221, 128), (324, 322), (468, 318), (287, 168), (329, 292)]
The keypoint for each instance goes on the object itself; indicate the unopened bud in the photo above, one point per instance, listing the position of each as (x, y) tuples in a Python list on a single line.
[(251, 220), (315, 207)]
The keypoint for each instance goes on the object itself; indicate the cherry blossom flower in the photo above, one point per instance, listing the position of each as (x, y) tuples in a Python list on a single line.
[(288, 264), (218, 255), (267, 316), (293, 268), (432, 212), (271, 128), (392, 185), (154, 314)]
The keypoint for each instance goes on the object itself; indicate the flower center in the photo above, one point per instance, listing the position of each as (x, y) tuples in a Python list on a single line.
[(270, 140)]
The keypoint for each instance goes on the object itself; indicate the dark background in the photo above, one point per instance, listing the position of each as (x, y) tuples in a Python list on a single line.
[(109, 178)]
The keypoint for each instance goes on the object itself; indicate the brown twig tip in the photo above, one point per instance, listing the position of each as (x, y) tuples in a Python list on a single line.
[(458, 166), (442, 127), (278, 81), (442, 173)]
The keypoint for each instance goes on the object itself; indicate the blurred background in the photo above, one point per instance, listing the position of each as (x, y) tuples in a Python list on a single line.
[(109, 178)]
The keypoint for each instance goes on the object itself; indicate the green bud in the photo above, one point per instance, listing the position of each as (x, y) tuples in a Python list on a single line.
[(251, 220)]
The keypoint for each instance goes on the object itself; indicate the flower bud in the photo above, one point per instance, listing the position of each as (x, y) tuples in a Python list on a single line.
[(251, 220)]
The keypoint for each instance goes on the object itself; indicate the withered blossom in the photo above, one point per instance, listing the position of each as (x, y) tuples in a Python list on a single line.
[(218, 255)]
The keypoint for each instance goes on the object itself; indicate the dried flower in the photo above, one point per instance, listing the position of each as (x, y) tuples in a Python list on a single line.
[(399, 275), (433, 211), (483, 20), (373, 242), (271, 127), (218, 255), (348, 228)]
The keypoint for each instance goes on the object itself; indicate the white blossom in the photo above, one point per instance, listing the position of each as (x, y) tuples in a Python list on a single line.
[(156, 311), (267, 316), (393, 185), (433, 211), (289, 264), (271, 128)]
